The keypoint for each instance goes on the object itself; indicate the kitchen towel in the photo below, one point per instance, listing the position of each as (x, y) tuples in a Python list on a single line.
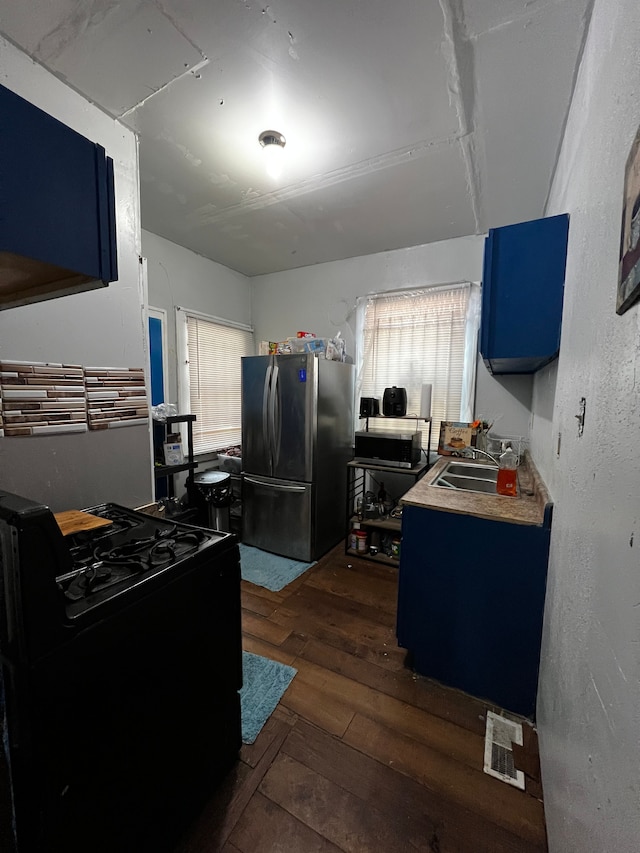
[(264, 682), (269, 570)]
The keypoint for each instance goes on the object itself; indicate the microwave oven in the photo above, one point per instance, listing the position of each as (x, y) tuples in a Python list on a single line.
[(398, 449)]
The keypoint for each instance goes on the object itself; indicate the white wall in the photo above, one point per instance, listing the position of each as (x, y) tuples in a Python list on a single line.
[(322, 299), (102, 327), (589, 699), (179, 277)]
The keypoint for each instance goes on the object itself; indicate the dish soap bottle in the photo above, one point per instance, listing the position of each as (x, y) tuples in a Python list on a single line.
[(507, 476)]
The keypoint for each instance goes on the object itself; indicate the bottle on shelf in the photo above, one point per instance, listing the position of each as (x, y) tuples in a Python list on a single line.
[(382, 497), (374, 546), (507, 473), (353, 536), (362, 541)]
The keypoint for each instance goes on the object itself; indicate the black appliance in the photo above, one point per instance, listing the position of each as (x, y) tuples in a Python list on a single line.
[(121, 665), (398, 449), (369, 407), (394, 402), (215, 487)]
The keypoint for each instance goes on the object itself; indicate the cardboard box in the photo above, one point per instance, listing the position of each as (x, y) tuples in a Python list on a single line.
[(455, 437)]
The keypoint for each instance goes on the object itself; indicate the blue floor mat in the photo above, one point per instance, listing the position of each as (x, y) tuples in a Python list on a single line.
[(269, 570), (264, 683)]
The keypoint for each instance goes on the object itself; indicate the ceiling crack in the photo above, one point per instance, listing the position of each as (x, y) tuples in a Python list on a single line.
[(204, 215), (458, 54), (160, 6), (193, 70)]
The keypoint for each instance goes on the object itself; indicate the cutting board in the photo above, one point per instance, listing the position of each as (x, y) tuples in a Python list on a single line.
[(74, 520)]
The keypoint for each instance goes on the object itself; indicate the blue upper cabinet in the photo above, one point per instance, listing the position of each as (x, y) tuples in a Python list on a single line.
[(522, 292), (57, 207)]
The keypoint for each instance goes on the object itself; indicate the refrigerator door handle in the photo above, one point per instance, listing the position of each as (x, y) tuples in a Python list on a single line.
[(276, 416), (278, 486), (265, 413)]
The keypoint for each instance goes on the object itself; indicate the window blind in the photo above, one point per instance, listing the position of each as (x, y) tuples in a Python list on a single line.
[(214, 349), (420, 336)]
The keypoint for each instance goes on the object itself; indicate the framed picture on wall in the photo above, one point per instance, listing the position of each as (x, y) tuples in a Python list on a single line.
[(629, 276)]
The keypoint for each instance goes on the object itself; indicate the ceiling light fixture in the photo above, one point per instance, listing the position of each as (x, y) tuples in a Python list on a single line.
[(273, 145)]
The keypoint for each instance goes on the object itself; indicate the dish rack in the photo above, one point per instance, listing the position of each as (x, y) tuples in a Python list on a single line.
[(495, 444)]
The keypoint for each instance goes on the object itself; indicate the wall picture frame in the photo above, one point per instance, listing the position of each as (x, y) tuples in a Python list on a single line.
[(629, 267)]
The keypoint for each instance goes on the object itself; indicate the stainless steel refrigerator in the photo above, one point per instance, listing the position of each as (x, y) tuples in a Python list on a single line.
[(297, 434)]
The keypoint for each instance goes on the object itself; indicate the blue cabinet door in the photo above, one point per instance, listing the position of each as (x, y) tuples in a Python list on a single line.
[(471, 601), (522, 294), (57, 205)]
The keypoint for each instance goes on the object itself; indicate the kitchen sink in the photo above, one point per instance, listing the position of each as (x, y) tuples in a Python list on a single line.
[(467, 484), (471, 469), (468, 477)]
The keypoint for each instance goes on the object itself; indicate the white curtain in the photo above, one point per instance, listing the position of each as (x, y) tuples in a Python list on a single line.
[(410, 338)]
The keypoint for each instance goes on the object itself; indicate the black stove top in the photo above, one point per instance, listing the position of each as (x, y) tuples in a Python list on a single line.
[(135, 546)]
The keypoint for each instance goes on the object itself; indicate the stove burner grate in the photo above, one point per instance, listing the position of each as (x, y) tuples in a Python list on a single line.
[(109, 558), (152, 550)]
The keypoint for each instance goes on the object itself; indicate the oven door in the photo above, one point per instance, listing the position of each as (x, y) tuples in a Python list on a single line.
[(129, 723)]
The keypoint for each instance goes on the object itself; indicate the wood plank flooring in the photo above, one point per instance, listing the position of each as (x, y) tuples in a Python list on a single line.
[(361, 755)]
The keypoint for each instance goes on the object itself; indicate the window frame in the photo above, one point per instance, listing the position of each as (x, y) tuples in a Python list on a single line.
[(182, 316), (470, 351)]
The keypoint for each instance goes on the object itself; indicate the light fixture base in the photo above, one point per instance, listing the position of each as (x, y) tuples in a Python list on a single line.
[(272, 137)]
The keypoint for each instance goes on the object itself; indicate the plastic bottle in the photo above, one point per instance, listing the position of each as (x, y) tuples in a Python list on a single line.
[(362, 544), (374, 545), (507, 475), (382, 496), (353, 538)]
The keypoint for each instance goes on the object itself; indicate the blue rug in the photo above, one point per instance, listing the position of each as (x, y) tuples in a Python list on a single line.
[(264, 682), (269, 570)]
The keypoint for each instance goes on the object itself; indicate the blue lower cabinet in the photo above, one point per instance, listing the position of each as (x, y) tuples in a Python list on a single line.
[(57, 207), (471, 601)]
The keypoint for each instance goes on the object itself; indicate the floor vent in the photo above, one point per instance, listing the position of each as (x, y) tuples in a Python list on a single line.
[(498, 754)]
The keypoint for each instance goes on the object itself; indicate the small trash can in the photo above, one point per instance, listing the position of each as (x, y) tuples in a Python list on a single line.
[(215, 487)]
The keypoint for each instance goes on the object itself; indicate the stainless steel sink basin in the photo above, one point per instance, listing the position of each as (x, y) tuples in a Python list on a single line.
[(467, 484), (471, 469), (468, 477)]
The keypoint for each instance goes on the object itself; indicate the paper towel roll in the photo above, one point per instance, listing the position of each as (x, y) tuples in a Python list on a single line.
[(425, 402)]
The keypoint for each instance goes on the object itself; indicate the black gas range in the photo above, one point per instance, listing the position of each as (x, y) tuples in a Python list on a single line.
[(121, 665), (124, 557)]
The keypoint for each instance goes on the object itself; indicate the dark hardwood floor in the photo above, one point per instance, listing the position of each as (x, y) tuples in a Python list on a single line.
[(361, 754)]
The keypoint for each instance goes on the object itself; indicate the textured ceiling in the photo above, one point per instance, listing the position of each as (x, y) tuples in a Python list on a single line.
[(406, 122)]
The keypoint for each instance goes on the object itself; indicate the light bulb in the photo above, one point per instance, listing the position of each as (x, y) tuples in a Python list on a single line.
[(273, 145), (274, 155)]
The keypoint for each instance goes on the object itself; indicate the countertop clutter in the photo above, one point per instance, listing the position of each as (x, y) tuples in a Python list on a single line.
[(530, 506)]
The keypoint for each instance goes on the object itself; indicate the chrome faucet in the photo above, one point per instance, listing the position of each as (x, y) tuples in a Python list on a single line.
[(472, 453)]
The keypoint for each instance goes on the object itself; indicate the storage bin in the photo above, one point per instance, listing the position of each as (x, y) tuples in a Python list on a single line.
[(231, 464), (315, 345)]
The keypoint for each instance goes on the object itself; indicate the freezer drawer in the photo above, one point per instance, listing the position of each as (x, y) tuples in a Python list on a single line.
[(278, 516)]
